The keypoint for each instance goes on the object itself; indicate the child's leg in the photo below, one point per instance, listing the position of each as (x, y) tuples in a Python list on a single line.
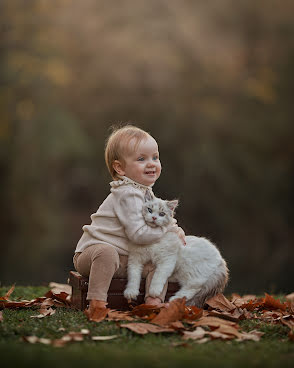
[(148, 273), (99, 262)]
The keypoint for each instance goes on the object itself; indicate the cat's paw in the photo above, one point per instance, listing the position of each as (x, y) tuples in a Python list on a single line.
[(155, 291), (131, 293)]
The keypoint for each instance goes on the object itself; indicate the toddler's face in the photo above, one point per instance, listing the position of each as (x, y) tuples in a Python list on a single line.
[(142, 164)]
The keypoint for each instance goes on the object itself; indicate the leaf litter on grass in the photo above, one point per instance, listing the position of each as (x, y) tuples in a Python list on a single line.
[(219, 321)]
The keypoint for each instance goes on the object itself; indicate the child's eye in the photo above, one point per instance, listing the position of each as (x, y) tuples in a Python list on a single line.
[(149, 210), (155, 158), (141, 159), (161, 214)]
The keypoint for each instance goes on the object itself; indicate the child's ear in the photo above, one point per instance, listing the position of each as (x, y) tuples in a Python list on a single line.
[(172, 205), (118, 167)]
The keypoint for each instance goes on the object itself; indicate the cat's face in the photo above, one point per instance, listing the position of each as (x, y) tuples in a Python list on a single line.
[(157, 212)]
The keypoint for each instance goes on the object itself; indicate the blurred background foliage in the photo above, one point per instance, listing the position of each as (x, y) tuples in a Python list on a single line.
[(211, 81)]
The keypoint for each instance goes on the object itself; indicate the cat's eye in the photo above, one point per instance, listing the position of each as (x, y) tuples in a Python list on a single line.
[(149, 210), (161, 214)]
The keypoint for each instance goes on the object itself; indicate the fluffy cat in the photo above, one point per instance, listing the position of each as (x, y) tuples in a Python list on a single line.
[(198, 266)]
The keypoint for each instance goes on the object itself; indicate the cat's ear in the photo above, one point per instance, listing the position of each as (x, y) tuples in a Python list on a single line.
[(148, 196), (172, 205)]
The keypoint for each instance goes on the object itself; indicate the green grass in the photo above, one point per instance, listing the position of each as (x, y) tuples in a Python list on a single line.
[(129, 349)]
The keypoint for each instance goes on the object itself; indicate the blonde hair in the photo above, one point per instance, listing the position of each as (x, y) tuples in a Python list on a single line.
[(117, 144)]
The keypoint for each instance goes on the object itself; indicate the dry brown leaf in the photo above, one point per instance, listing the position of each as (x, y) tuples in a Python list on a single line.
[(272, 303), (115, 315), (229, 330), (144, 328), (174, 312), (57, 288), (197, 334), (235, 316), (220, 335), (44, 312), (238, 301), (9, 292), (103, 338), (220, 302), (35, 339), (145, 310), (97, 315), (177, 325), (192, 313), (63, 297), (253, 335), (214, 322)]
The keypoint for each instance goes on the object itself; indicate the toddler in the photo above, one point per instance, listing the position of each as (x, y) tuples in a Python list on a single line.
[(132, 158)]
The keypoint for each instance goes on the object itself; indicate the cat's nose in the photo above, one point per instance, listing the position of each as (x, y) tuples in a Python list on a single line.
[(154, 218)]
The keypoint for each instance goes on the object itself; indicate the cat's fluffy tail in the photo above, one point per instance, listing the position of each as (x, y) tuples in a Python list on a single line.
[(213, 287)]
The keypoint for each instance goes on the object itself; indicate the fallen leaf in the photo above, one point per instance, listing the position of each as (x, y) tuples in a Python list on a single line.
[(220, 302), (44, 312), (144, 328), (115, 315), (235, 316), (253, 335), (238, 301), (9, 292), (174, 312), (63, 297), (177, 325), (57, 288), (192, 313), (271, 303), (31, 339), (214, 322), (103, 338), (145, 310), (197, 334), (35, 339), (220, 335), (98, 315)]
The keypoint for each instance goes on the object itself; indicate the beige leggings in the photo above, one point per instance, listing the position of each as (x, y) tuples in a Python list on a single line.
[(101, 263)]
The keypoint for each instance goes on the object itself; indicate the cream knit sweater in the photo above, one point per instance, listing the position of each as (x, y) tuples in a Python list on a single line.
[(119, 220)]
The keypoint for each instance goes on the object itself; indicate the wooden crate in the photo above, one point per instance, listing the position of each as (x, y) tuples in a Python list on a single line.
[(116, 299)]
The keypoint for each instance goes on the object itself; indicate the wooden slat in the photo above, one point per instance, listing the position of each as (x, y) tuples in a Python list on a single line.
[(116, 300)]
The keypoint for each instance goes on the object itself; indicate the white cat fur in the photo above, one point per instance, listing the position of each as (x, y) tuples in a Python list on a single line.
[(198, 266)]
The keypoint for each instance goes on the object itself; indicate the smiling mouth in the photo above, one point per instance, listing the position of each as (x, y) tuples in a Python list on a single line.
[(150, 172)]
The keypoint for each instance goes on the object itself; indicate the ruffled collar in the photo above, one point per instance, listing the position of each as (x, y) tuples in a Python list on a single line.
[(124, 180)]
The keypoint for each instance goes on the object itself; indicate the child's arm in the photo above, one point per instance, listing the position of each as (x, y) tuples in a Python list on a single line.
[(129, 213)]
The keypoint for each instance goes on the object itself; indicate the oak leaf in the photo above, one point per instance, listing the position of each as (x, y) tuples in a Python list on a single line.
[(144, 328), (145, 310), (271, 303), (97, 315), (197, 334), (214, 322), (103, 338), (115, 315), (220, 302), (174, 312)]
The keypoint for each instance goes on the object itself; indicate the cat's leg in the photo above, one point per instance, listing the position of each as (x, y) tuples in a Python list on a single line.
[(135, 268), (185, 291), (162, 273)]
